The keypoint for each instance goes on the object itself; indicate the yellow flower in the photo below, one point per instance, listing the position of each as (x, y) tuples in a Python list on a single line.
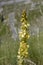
[(23, 35), (27, 46), (22, 19), (18, 52), (18, 56), (22, 15), (28, 36), (25, 25), (27, 53), (21, 50), (21, 42), (28, 24)]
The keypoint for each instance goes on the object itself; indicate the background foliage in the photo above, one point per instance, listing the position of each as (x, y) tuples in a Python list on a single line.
[(9, 46)]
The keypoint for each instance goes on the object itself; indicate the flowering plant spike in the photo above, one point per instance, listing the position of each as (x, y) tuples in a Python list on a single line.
[(23, 36)]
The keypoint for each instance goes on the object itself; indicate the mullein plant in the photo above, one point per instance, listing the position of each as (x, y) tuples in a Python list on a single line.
[(23, 36)]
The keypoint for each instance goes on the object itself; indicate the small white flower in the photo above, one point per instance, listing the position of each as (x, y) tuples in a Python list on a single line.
[(28, 46), (28, 24), (23, 35), (18, 57), (18, 52)]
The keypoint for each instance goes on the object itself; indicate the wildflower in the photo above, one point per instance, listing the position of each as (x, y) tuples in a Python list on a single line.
[(18, 52), (22, 19), (27, 53), (18, 57), (28, 24), (27, 46), (23, 35), (28, 36)]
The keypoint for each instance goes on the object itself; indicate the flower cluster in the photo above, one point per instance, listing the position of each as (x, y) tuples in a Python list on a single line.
[(23, 35), (23, 50)]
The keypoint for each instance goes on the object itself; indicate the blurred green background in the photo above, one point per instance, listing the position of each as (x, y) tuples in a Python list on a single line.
[(10, 27)]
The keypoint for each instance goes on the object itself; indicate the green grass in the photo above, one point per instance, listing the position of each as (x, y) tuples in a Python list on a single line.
[(8, 51), (9, 48)]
